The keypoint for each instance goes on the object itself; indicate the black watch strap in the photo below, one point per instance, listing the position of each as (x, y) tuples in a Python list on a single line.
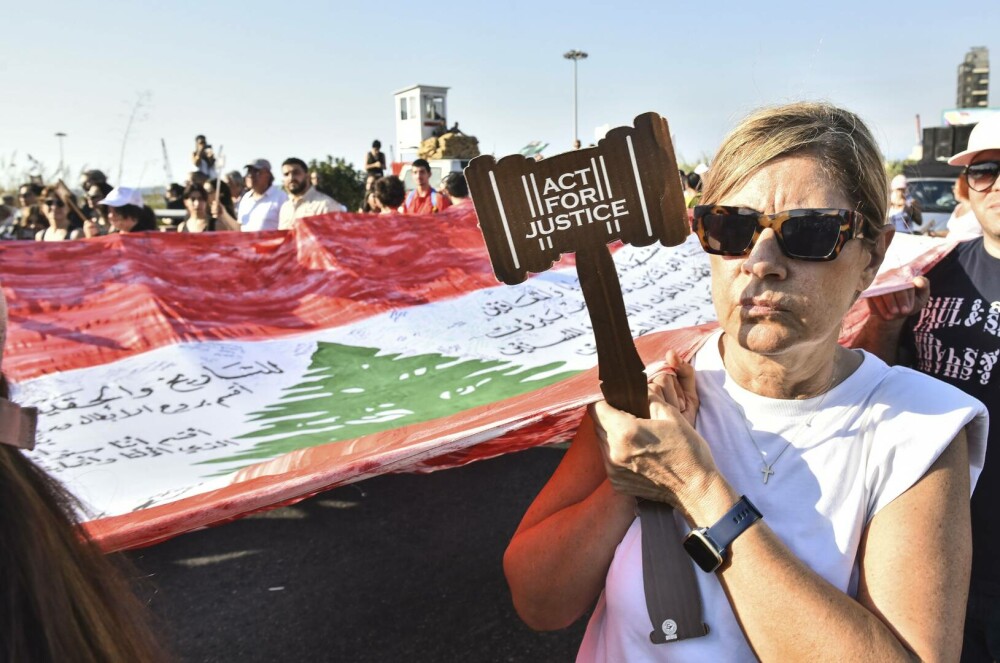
[(736, 521)]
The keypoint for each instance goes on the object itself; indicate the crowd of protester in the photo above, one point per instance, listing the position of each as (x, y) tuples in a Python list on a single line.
[(577, 543), (214, 201)]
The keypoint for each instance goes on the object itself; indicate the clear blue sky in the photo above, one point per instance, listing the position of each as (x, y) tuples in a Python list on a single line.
[(313, 78)]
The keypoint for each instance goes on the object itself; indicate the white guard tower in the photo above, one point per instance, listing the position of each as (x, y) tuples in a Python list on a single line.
[(420, 110)]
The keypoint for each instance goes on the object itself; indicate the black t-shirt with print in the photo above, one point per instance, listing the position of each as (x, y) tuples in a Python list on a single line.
[(956, 338)]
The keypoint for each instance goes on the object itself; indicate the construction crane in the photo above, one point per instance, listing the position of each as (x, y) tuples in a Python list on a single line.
[(166, 165)]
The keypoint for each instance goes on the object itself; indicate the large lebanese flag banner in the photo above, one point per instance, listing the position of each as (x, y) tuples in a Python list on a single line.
[(188, 379)]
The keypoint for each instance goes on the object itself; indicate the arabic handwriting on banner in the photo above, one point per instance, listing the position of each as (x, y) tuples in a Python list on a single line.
[(186, 441), (158, 390), (659, 294)]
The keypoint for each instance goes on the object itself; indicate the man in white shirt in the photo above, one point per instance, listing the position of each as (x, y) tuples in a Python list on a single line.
[(304, 200), (260, 206)]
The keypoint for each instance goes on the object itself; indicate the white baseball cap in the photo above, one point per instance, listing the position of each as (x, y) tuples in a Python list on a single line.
[(123, 195), (899, 182), (701, 169), (985, 136)]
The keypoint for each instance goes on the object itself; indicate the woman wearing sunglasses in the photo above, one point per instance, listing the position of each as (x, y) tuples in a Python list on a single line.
[(846, 482), (57, 212)]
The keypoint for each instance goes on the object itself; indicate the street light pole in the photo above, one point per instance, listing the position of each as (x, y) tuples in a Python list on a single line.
[(575, 55), (60, 135)]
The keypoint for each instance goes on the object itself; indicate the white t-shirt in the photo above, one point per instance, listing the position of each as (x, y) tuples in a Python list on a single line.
[(874, 436), (312, 203), (964, 226), (261, 213)]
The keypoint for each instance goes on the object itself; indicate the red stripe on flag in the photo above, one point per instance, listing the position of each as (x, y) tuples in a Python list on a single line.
[(83, 303)]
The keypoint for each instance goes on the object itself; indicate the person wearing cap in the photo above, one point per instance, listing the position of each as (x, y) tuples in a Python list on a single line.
[(260, 207), (948, 326), (904, 213), (304, 200), (127, 212)]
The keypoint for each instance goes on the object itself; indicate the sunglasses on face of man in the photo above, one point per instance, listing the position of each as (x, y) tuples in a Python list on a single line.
[(803, 234), (982, 176)]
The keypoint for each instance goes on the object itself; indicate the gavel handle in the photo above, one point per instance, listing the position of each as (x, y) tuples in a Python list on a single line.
[(622, 373), (671, 589)]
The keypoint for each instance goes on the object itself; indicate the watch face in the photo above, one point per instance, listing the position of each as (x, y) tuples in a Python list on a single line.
[(702, 551)]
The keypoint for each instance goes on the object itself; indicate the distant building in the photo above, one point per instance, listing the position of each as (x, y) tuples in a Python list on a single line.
[(974, 79), (420, 111)]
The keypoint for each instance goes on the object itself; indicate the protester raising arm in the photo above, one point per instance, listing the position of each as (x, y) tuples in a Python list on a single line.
[(223, 219)]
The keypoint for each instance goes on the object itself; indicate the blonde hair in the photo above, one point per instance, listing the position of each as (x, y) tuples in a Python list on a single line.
[(838, 139)]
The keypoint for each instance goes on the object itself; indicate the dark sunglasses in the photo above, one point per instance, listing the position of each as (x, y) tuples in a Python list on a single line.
[(983, 175), (803, 234), (54, 202)]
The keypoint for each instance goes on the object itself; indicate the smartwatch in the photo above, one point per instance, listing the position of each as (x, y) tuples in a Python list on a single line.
[(707, 545)]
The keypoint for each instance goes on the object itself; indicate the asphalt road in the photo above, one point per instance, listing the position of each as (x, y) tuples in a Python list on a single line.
[(396, 568)]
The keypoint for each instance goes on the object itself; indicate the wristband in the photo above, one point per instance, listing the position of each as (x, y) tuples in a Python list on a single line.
[(707, 546)]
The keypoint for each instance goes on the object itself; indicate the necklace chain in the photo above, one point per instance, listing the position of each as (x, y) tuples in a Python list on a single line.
[(766, 469)]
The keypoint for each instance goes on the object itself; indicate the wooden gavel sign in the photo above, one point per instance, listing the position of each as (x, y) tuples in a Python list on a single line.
[(532, 212)]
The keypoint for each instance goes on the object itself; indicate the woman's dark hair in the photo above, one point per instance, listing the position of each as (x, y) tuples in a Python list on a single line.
[(390, 191), (456, 186), (61, 599), (194, 188), (145, 218), (55, 191), (694, 181), (377, 144), (225, 195), (191, 189), (32, 187)]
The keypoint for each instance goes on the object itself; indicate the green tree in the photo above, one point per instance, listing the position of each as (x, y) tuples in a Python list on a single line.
[(351, 391), (339, 179), (893, 168)]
